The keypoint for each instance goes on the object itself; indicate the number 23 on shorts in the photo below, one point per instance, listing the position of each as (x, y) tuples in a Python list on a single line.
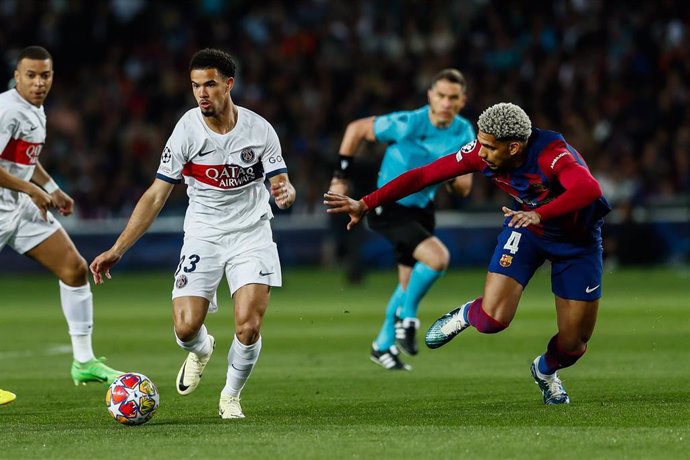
[(187, 264)]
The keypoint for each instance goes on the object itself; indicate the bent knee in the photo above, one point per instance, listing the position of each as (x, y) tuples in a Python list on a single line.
[(186, 331), (248, 332), (440, 264), (440, 261), (74, 272)]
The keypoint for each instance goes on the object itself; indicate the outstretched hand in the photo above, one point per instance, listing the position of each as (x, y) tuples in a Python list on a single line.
[(521, 218), (102, 264), (341, 204)]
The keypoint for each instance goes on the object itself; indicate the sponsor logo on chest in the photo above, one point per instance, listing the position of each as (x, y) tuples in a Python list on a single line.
[(224, 176), (241, 167), (22, 152)]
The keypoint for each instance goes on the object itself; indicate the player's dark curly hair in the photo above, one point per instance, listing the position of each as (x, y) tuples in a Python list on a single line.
[(209, 58), (37, 53)]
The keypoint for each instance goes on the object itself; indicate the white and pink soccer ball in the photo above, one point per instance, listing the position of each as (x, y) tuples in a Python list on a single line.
[(132, 399)]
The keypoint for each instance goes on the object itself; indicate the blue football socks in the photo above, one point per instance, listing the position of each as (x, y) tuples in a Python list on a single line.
[(386, 337), (421, 279), (543, 367)]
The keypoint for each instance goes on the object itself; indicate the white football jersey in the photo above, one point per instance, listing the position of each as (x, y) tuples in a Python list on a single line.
[(22, 135), (224, 173)]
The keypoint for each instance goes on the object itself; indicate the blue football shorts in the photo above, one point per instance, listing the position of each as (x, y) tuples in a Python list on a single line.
[(576, 269)]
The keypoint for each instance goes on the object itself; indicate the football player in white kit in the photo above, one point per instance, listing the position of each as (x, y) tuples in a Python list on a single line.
[(26, 224), (224, 153)]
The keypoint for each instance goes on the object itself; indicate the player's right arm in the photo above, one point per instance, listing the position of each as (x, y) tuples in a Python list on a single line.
[(145, 212), (406, 184), (41, 199), (355, 132)]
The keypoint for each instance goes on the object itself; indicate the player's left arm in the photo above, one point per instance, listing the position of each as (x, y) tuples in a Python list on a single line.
[(62, 201), (581, 190), (276, 171), (282, 190)]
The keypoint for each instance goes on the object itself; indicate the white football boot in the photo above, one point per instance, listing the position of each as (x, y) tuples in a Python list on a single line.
[(229, 407), (192, 368)]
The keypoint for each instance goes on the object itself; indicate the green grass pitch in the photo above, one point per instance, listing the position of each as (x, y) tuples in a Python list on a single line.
[(315, 394)]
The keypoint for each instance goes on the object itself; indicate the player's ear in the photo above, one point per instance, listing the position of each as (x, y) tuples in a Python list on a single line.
[(230, 83), (514, 148)]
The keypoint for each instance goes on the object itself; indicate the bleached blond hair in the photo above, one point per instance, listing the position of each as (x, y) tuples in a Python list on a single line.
[(505, 121)]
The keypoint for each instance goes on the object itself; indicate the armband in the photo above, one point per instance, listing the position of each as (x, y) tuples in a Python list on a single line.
[(50, 186), (342, 168)]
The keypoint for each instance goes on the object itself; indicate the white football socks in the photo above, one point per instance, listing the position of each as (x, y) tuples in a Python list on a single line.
[(77, 306), (241, 361), (199, 345)]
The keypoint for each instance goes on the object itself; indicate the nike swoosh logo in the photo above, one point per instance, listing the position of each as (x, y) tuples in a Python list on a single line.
[(202, 154), (181, 384), (246, 367), (32, 128), (589, 290), (265, 274)]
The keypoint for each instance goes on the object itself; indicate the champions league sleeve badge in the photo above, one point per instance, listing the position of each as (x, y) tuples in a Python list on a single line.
[(166, 156), (467, 148)]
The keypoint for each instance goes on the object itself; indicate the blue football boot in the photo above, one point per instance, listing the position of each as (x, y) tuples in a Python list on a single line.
[(550, 386), (446, 328)]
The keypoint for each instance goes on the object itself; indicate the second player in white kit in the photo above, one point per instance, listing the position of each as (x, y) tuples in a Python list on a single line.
[(224, 153), (27, 225), (227, 222)]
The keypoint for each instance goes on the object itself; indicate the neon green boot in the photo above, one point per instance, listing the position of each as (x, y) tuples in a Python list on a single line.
[(93, 371)]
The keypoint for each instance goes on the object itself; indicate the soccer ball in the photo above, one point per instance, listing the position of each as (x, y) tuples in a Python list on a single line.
[(132, 399)]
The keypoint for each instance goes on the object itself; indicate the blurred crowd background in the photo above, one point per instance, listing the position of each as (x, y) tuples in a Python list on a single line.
[(611, 77)]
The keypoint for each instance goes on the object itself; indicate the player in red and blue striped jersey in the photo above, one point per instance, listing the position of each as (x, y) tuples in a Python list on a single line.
[(557, 216)]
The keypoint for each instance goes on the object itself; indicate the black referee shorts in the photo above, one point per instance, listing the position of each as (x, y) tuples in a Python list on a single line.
[(405, 227)]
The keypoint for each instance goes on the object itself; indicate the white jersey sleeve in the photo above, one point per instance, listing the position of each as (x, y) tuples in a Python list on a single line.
[(272, 159), (8, 126), (175, 154)]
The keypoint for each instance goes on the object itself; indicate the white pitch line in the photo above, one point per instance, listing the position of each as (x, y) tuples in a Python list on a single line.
[(55, 349)]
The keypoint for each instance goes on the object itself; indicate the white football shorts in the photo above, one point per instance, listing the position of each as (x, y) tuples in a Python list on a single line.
[(244, 257), (26, 228)]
